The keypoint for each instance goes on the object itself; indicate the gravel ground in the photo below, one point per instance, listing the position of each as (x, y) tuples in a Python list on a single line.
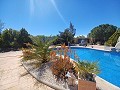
[(44, 74), (13, 76)]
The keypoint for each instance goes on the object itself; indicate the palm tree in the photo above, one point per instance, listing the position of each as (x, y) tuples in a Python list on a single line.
[(39, 51)]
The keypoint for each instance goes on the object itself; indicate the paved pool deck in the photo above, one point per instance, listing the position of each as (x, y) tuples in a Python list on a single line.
[(13, 76), (98, 47)]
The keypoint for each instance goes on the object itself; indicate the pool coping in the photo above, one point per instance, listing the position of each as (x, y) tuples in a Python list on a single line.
[(92, 48), (105, 85), (89, 48)]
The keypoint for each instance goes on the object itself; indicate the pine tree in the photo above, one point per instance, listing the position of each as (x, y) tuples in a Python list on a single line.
[(72, 29)]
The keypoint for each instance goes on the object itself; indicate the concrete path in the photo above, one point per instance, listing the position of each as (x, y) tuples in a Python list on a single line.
[(13, 75)]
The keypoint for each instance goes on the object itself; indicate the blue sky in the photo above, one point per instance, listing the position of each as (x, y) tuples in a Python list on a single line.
[(48, 17)]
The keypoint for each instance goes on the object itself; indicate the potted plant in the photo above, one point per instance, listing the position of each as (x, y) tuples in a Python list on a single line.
[(86, 75)]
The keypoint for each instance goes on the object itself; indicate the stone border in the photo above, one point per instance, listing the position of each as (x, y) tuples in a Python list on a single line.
[(105, 85), (56, 87)]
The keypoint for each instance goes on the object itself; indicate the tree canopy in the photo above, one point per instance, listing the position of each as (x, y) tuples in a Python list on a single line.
[(23, 37), (67, 36), (102, 32), (113, 39), (14, 39)]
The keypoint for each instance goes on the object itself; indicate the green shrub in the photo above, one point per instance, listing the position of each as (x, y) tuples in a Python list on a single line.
[(113, 39), (38, 51), (87, 70)]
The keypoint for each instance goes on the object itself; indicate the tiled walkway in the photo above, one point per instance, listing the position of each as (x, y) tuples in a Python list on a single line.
[(13, 76)]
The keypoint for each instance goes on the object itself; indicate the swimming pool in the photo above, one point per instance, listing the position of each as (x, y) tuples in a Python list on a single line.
[(109, 63)]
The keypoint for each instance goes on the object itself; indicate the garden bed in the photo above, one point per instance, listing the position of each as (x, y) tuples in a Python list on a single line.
[(44, 75)]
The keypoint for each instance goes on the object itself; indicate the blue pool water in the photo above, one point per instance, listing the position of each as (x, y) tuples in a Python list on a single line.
[(109, 63)]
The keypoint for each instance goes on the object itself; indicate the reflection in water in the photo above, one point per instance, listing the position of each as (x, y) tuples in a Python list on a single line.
[(117, 61), (106, 54)]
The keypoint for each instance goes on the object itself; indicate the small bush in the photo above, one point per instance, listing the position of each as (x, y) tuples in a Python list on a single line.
[(113, 39), (61, 64)]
